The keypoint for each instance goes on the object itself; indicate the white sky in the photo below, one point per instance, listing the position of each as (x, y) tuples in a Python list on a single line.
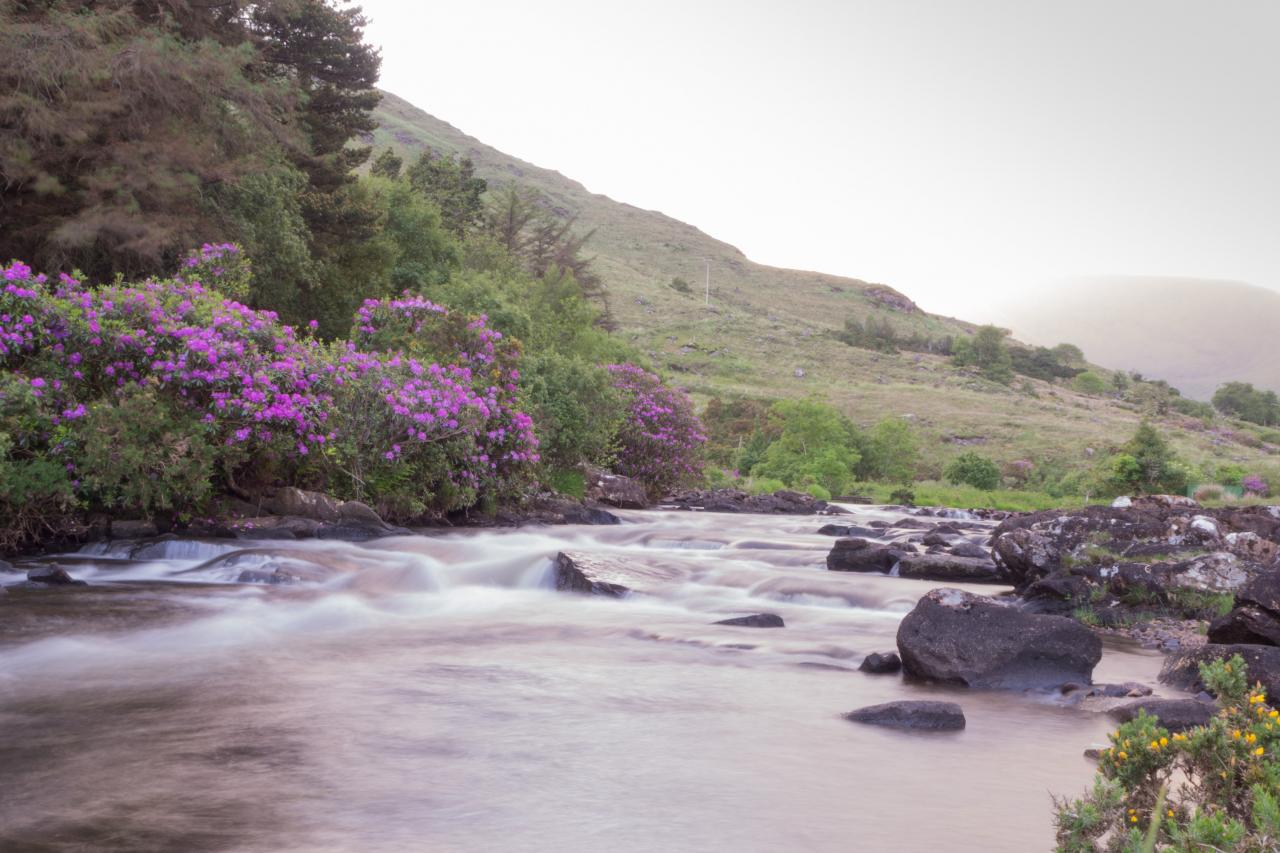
[(962, 151)]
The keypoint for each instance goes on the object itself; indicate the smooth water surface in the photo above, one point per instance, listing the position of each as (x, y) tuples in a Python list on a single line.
[(436, 693)]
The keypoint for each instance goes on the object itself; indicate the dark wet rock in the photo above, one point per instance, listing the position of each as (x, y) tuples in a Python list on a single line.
[(852, 499), (273, 577), (302, 504), (970, 549), (847, 530), (911, 524), (6, 566), (275, 527), (1247, 624), (946, 567), (881, 663), (1182, 670), (755, 620), (1176, 715), (1120, 691), (1026, 555), (608, 576), (133, 529), (917, 715), (615, 489), (955, 637), (1060, 593), (1263, 592), (53, 576), (859, 555), (936, 538), (357, 523)]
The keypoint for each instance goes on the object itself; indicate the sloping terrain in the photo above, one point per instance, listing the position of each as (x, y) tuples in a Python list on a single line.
[(768, 331)]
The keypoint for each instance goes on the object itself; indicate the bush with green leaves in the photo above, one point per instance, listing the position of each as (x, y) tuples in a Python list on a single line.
[(1145, 465), (890, 452), (1214, 787), (816, 445), (973, 469)]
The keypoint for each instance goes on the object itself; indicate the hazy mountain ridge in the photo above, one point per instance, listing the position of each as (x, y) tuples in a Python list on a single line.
[(1194, 333)]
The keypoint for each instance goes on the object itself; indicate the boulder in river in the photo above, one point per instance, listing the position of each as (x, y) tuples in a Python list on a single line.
[(608, 576), (859, 555), (755, 620), (1256, 617), (881, 663), (912, 714), (947, 567), (1026, 555), (955, 637), (1176, 715), (53, 576)]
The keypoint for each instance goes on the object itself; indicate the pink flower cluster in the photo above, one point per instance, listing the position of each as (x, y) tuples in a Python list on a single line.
[(259, 386), (660, 441)]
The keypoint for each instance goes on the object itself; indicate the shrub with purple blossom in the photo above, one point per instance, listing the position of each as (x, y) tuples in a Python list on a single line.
[(1253, 484), (138, 397), (660, 439)]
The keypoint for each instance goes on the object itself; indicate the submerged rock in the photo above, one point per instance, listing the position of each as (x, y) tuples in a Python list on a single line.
[(756, 620), (912, 714), (881, 663), (53, 576), (955, 637), (609, 576)]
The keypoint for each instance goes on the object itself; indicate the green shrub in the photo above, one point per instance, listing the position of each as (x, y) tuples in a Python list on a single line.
[(764, 486), (818, 492), (815, 445), (1089, 383), (1213, 787), (566, 481), (973, 469), (144, 455)]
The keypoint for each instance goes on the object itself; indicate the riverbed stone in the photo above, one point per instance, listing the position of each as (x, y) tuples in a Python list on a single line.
[(881, 663), (1246, 624), (955, 637), (132, 528), (53, 576), (948, 567), (614, 577), (1176, 715), (919, 715), (755, 620), (855, 554), (303, 504)]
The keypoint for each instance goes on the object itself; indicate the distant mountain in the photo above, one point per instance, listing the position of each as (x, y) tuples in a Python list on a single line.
[(768, 332), (1194, 333)]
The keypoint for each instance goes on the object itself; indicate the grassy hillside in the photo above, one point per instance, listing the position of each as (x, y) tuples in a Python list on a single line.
[(1195, 334), (768, 331)]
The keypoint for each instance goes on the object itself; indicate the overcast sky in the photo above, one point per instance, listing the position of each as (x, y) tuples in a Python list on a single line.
[(959, 150)]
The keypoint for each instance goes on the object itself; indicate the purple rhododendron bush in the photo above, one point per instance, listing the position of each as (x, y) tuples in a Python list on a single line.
[(660, 440), (148, 398), (153, 398)]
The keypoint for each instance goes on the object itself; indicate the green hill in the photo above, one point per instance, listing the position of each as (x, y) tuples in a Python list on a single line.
[(769, 331)]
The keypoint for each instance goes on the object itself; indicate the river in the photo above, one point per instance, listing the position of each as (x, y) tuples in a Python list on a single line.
[(436, 693)]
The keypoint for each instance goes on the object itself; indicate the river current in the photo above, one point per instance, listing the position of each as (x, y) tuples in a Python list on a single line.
[(436, 693)]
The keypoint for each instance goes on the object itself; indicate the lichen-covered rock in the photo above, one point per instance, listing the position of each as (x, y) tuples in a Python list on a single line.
[(859, 555)]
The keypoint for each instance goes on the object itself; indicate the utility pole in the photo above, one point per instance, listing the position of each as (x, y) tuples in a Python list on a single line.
[(708, 261)]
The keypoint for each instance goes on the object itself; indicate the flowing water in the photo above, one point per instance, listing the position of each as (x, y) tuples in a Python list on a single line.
[(435, 693)]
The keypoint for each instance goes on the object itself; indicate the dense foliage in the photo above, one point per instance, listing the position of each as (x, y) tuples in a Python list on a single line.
[(973, 469), (1213, 787), (1242, 400), (660, 439)]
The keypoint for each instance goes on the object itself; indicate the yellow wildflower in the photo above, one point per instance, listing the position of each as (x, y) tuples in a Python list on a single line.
[(1123, 755), (1259, 751), (1164, 741)]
